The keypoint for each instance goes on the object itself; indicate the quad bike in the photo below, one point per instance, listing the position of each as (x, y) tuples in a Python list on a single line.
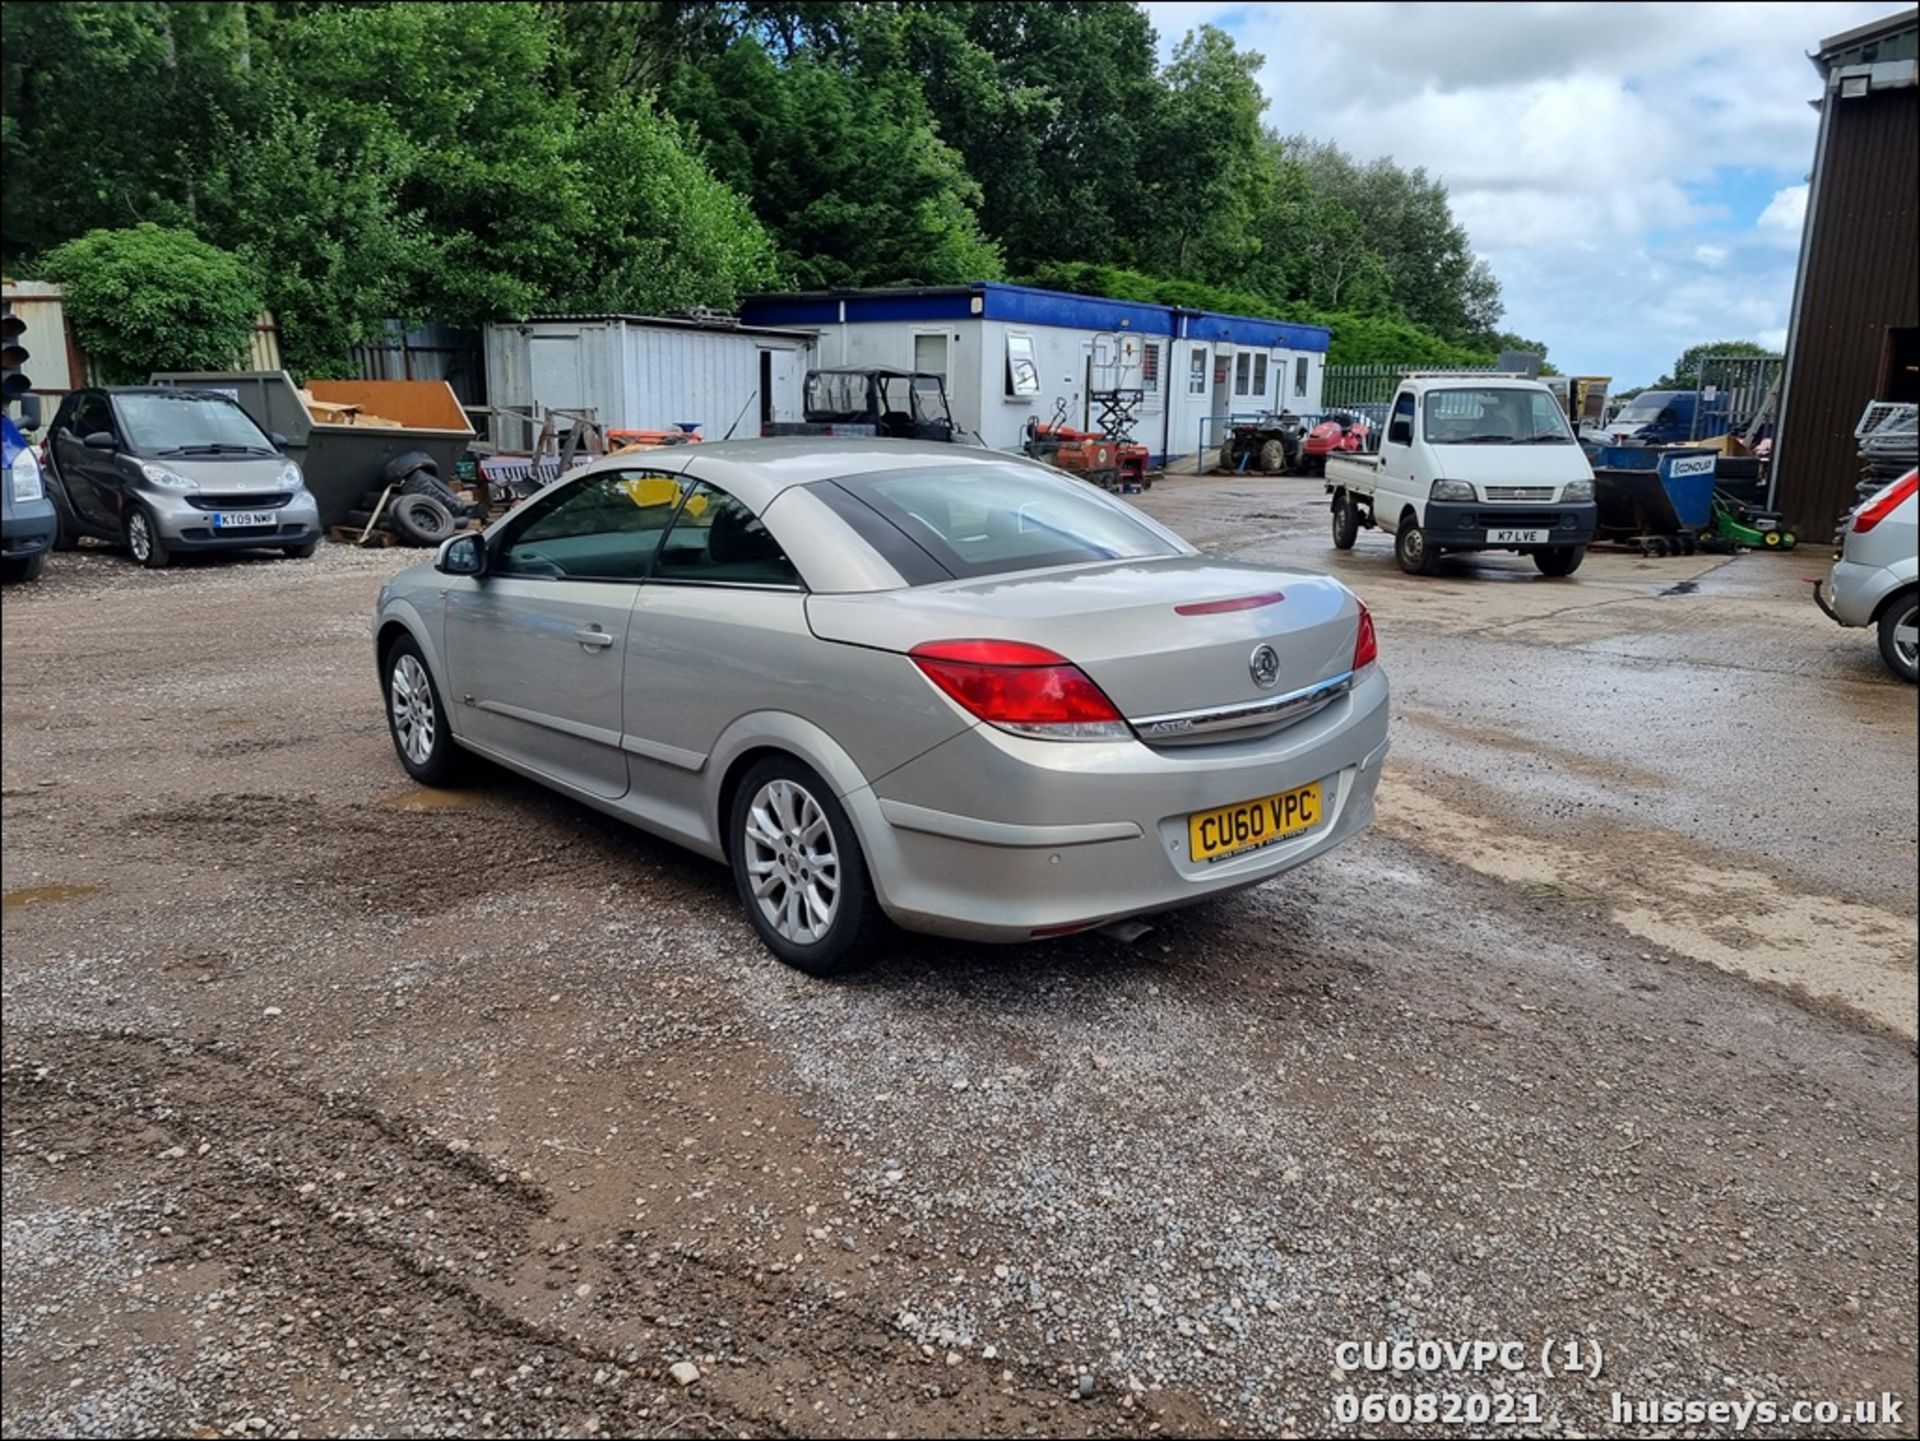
[(1272, 445)]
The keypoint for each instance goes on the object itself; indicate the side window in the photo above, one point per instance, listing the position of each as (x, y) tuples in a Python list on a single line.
[(1400, 428), (603, 527), (94, 412), (1023, 371), (718, 541)]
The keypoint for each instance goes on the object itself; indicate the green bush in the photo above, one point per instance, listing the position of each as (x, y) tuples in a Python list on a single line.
[(149, 298)]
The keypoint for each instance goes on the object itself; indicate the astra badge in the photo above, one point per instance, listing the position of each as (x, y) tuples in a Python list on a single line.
[(1264, 664)]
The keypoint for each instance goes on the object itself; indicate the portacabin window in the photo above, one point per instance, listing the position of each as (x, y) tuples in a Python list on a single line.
[(1300, 375), (1023, 370), (1150, 365), (1242, 370), (1260, 375), (1197, 371)]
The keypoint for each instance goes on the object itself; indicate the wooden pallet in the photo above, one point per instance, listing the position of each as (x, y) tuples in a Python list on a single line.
[(354, 535)]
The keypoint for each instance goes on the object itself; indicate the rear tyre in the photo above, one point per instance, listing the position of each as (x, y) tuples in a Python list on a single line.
[(1558, 560), (1412, 550), (416, 718), (1346, 521), (144, 541), (798, 868), (1226, 457), (21, 568), (1273, 457), (1899, 639)]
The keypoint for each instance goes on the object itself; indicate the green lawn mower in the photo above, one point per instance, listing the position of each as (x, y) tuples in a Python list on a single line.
[(1733, 523)]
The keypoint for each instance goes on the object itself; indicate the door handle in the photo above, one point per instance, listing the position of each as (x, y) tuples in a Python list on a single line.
[(593, 638)]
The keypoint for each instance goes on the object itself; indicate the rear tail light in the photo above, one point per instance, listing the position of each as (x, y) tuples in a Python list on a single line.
[(1366, 646), (1882, 505), (1025, 689)]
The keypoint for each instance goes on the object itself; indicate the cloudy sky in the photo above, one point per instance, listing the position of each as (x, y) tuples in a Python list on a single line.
[(1635, 174)]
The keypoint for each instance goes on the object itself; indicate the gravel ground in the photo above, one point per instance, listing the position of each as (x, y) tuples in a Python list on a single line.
[(334, 1106)]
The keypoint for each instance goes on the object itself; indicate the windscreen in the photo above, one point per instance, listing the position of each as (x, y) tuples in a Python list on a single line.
[(1495, 415), (1644, 408), (836, 396), (994, 520), (162, 424)]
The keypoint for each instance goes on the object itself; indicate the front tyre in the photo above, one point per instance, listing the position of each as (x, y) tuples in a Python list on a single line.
[(416, 718), (144, 541), (23, 568), (1413, 550), (1900, 636), (798, 868), (300, 552), (1559, 560)]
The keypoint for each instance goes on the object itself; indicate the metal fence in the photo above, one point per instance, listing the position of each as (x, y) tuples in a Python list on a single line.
[(1739, 395), (1347, 387), (428, 352)]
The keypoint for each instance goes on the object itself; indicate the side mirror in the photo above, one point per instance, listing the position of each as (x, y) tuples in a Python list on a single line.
[(279, 441), (464, 554), (99, 440), (1401, 432)]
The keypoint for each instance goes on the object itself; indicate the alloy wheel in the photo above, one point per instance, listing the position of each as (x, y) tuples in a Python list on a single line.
[(1906, 635), (791, 862), (411, 700), (139, 537)]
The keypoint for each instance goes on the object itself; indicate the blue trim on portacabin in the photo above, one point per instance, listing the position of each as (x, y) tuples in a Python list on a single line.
[(1028, 305)]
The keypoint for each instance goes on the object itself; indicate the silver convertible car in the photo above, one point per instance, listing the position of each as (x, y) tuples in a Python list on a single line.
[(888, 680)]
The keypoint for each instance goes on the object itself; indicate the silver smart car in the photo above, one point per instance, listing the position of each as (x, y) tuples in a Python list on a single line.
[(895, 680), (165, 472)]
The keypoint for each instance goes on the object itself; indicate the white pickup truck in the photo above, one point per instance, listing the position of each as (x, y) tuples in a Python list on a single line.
[(1470, 461)]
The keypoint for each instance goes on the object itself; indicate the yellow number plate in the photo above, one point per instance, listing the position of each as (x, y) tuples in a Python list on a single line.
[(1228, 831)]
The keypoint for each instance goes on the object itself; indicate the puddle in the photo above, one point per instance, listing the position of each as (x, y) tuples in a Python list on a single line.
[(44, 895), (421, 798), (1662, 890)]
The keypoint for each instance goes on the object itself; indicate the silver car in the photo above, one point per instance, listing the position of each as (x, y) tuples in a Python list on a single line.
[(167, 471), (1876, 579), (888, 680)]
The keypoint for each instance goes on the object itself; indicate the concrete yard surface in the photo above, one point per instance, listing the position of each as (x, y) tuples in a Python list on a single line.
[(335, 1105)]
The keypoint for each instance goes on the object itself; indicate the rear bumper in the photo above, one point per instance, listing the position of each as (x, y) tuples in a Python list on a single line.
[(1464, 524), (27, 529), (990, 837), (1854, 591)]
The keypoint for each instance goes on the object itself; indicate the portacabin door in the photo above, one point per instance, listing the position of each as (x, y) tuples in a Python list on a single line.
[(537, 647)]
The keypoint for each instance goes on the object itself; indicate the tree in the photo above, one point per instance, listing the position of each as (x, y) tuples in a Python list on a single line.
[(1686, 370), (845, 170), (1207, 180), (148, 298)]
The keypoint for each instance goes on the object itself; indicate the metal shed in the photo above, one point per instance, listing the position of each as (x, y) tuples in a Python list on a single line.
[(1854, 335), (1014, 351), (647, 372)]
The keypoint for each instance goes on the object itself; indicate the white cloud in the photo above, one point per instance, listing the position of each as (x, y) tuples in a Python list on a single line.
[(1603, 158), (1785, 214)]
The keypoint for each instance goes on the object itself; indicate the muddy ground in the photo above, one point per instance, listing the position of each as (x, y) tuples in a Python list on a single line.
[(337, 1106)]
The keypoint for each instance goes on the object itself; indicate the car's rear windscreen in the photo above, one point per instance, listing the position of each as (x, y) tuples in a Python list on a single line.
[(980, 520)]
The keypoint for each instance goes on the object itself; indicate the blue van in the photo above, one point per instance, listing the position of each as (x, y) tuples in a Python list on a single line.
[(1663, 417), (26, 515)]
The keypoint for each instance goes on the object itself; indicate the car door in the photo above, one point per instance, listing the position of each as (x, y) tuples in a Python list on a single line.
[(90, 477), (536, 646), (1397, 487), (719, 623)]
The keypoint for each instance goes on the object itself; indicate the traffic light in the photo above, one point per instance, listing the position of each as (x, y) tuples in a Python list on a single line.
[(13, 356)]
